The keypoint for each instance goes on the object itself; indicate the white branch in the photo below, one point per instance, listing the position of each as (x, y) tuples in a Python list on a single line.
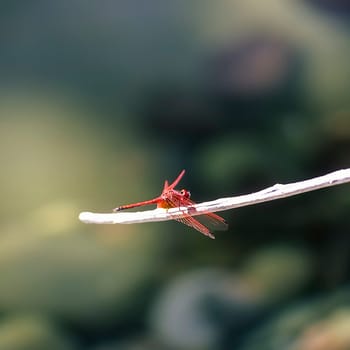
[(271, 193)]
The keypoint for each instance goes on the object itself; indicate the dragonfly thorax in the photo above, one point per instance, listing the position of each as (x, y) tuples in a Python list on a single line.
[(173, 198)]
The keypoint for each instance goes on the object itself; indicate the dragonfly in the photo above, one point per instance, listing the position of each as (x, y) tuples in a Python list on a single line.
[(172, 198)]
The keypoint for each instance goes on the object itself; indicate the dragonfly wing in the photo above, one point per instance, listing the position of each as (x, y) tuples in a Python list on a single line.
[(202, 223), (176, 181), (213, 221), (192, 222), (166, 185)]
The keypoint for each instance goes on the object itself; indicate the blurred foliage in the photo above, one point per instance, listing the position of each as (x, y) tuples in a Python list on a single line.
[(100, 102), (22, 332)]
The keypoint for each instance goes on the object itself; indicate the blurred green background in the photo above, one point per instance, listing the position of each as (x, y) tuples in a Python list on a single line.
[(101, 101)]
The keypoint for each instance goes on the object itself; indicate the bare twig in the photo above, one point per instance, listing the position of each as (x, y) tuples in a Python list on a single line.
[(271, 193)]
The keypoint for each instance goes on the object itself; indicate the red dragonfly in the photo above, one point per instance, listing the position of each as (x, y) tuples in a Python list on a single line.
[(171, 198)]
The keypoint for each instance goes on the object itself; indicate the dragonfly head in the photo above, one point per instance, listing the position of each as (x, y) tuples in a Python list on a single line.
[(185, 194)]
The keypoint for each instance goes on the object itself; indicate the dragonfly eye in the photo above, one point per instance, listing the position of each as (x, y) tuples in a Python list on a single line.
[(185, 193)]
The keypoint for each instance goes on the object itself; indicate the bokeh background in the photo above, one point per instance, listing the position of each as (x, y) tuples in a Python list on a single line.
[(101, 101)]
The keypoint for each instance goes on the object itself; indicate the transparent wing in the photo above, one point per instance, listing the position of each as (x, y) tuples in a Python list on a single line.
[(192, 222), (203, 223), (213, 221)]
